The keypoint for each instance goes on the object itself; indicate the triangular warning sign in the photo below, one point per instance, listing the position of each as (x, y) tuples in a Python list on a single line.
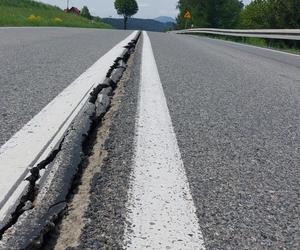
[(187, 15)]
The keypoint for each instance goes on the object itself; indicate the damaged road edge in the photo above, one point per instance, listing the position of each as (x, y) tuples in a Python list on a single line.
[(46, 196)]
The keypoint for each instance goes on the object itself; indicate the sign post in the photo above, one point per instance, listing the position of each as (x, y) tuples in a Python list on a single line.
[(187, 16)]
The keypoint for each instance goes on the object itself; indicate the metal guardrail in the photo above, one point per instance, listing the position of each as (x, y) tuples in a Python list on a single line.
[(287, 34)]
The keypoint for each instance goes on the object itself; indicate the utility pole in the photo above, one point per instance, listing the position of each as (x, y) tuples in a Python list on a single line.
[(67, 4)]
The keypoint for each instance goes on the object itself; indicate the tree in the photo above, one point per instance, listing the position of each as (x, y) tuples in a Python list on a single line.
[(86, 13), (126, 8), (272, 14), (97, 19)]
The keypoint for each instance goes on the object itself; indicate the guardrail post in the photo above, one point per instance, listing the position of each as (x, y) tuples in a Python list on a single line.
[(270, 43)]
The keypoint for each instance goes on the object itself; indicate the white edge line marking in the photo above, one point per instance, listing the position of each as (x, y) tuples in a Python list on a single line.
[(160, 210), (44, 131), (252, 46)]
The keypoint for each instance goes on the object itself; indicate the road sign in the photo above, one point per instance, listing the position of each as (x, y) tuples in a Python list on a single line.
[(187, 15)]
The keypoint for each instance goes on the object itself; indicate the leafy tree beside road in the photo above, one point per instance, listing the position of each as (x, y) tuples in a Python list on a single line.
[(259, 14), (211, 13), (273, 14), (86, 13), (126, 8)]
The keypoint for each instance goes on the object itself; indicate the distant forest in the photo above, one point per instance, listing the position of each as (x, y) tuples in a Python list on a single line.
[(140, 24), (274, 14)]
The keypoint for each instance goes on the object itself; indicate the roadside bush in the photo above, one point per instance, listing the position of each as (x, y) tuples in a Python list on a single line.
[(32, 18), (57, 20)]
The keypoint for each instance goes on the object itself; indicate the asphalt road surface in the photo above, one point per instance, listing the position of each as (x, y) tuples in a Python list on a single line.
[(204, 148), (38, 63), (235, 110)]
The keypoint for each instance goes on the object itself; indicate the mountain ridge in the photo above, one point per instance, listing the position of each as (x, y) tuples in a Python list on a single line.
[(140, 24), (165, 19)]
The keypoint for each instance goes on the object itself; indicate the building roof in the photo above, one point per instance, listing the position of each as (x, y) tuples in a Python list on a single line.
[(73, 10)]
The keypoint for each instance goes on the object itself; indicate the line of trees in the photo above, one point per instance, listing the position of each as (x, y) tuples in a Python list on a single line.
[(210, 13), (273, 14), (233, 14), (85, 12)]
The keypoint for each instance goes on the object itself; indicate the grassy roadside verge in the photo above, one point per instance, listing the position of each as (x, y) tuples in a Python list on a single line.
[(31, 13), (276, 44)]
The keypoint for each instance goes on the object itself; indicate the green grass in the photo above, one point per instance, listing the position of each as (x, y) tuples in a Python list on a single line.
[(281, 45), (31, 13)]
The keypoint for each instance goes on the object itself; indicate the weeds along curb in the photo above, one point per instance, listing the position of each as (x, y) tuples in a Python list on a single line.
[(46, 198)]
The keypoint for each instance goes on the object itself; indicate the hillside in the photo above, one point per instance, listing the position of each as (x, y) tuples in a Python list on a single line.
[(165, 19), (32, 13), (140, 24)]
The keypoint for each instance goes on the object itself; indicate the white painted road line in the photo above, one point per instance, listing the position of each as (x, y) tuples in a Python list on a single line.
[(39, 136), (161, 210), (274, 50)]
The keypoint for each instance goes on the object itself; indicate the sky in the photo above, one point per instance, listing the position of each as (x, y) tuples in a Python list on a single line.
[(105, 8)]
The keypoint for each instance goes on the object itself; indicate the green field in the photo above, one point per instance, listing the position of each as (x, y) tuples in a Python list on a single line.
[(31, 13)]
